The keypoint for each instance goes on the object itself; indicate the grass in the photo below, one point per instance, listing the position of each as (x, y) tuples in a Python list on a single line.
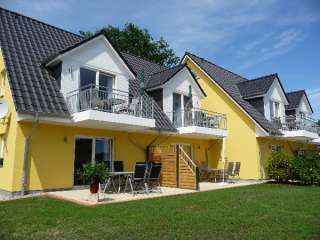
[(267, 211)]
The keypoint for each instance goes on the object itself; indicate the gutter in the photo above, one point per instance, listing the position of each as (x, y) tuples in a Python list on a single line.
[(26, 154)]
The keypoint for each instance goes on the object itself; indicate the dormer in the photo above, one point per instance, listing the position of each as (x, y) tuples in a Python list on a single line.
[(299, 104), (93, 61), (94, 80), (267, 95), (175, 89)]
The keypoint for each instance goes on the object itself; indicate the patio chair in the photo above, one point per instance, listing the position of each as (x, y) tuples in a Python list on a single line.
[(230, 168), (237, 169), (235, 172), (139, 178), (118, 166), (154, 177)]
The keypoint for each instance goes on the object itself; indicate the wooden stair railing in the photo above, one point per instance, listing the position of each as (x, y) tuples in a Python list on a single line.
[(188, 171)]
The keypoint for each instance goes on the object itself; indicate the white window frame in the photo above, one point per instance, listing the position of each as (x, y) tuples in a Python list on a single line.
[(98, 71)]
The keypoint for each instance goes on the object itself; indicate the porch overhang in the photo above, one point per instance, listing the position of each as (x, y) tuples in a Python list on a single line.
[(299, 135), (107, 120), (203, 132)]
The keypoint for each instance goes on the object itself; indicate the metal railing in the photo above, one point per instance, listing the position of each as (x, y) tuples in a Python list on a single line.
[(198, 117), (93, 97), (294, 123)]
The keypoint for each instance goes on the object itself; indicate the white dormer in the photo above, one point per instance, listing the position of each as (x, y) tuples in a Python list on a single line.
[(274, 101), (94, 57), (95, 82), (176, 92)]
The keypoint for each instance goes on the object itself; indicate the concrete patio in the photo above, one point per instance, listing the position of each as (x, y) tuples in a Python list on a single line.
[(83, 196)]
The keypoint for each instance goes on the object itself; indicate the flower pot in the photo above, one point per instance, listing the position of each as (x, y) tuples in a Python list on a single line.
[(94, 187)]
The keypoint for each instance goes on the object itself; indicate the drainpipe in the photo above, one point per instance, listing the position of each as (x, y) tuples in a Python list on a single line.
[(26, 154)]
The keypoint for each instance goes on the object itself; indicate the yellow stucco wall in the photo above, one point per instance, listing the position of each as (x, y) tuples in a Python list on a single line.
[(241, 143), (8, 127), (51, 157)]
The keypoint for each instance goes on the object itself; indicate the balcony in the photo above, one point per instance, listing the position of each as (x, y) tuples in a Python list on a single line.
[(200, 123), (98, 107), (298, 128)]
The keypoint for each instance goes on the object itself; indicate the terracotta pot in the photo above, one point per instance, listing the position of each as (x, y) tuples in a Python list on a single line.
[(94, 187)]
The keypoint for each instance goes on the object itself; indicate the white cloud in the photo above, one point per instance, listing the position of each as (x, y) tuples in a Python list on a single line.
[(269, 46)]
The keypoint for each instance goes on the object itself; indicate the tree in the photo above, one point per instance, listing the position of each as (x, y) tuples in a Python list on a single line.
[(139, 42)]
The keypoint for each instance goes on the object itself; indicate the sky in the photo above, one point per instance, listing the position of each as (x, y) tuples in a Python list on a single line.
[(249, 37)]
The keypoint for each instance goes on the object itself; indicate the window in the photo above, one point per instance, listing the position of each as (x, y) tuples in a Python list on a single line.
[(1, 151), (90, 151), (277, 109), (103, 151), (92, 77), (105, 82), (302, 115), (274, 109), (187, 103), (177, 109), (276, 148)]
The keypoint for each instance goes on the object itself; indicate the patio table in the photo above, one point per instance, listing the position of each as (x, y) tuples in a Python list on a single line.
[(112, 176)]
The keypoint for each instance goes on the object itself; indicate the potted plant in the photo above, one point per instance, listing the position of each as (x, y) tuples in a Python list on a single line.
[(93, 174)]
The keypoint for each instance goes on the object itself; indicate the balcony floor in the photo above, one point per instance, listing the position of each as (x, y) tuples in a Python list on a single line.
[(202, 132), (116, 121)]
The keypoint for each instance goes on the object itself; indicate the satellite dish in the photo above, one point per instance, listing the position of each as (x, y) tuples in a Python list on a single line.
[(3, 108)]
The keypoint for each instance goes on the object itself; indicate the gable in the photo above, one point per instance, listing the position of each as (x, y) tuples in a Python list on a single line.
[(304, 106), (181, 81), (97, 55), (226, 82), (276, 93)]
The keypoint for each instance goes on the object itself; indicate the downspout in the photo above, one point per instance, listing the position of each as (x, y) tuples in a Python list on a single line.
[(26, 154)]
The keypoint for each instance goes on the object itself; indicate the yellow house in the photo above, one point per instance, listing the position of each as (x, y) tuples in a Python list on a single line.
[(66, 101)]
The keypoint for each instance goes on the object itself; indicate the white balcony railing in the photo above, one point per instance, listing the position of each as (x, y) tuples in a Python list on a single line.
[(198, 117), (99, 98), (295, 123)]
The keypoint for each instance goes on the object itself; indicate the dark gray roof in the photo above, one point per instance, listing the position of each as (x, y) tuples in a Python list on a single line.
[(256, 87), (139, 64), (229, 81), (294, 99), (26, 44), (161, 77)]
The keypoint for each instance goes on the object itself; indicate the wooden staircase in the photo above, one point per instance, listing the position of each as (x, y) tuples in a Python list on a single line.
[(188, 171), (178, 169)]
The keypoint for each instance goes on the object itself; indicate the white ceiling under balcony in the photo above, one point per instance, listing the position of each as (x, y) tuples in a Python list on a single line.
[(114, 121), (202, 132), (299, 135)]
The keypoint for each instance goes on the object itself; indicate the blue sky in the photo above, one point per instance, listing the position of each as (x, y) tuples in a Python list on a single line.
[(249, 37)]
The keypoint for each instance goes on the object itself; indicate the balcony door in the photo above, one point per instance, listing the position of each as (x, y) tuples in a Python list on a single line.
[(91, 150), (177, 110)]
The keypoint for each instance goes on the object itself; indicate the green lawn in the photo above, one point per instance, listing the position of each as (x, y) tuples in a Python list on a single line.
[(256, 212)]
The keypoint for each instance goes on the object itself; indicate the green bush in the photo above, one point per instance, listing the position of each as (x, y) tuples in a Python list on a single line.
[(279, 166), (93, 173), (306, 168)]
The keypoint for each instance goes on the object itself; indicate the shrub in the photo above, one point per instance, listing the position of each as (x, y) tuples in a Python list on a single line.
[(306, 168), (93, 173), (279, 166)]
